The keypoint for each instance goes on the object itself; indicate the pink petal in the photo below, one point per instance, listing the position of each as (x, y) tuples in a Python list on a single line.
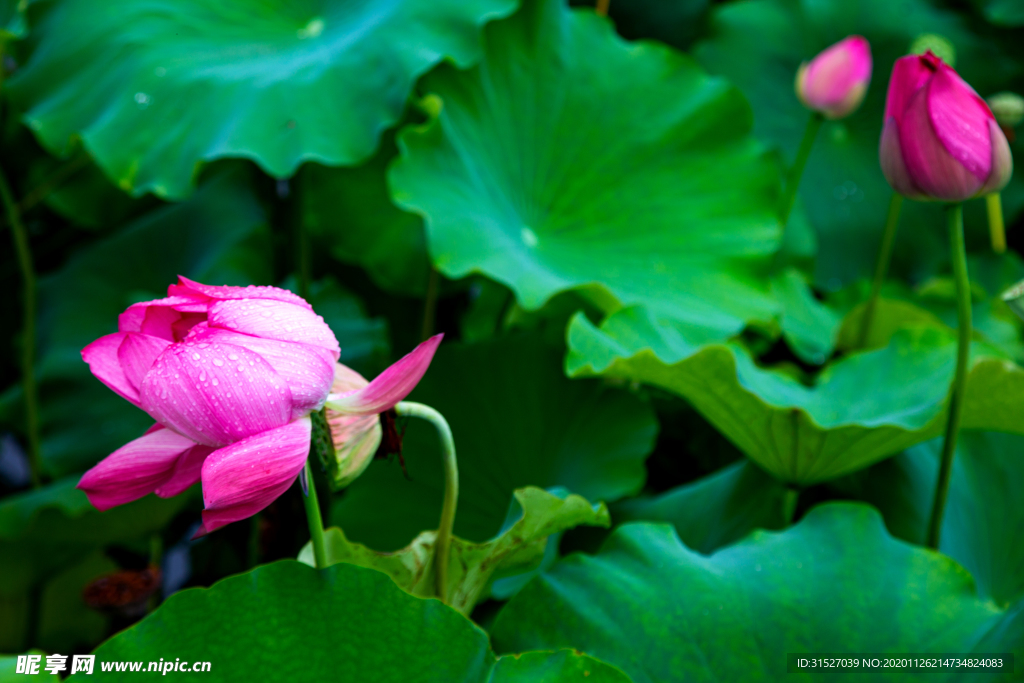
[(186, 287), (274, 320), (101, 355), (391, 386), (186, 471), (158, 317), (307, 370), (909, 74), (891, 156), (245, 477), (134, 470), (933, 169), (1002, 160), (834, 82), (960, 120), (137, 354), (215, 393)]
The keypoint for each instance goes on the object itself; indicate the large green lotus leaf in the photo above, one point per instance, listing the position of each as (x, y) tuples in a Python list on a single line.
[(218, 236), (862, 408), (287, 621), (570, 159), (835, 582), (984, 516), (517, 421), (155, 90), (351, 210), (714, 511), (759, 44), (809, 327), (9, 664), (519, 546), (66, 623), (43, 530)]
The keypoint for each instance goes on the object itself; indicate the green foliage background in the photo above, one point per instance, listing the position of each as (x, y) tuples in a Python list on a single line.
[(587, 208)]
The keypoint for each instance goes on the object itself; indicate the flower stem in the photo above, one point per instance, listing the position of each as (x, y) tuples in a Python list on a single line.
[(28, 342), (789, 499), (892, 221), (430, 305), (601, 9), (442, 549), (797, 171), (995, 222), (963, 305), (316, 522)]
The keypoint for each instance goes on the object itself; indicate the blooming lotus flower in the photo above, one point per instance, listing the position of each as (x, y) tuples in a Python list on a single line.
[(940, 139), (834, 82), (230, 375)]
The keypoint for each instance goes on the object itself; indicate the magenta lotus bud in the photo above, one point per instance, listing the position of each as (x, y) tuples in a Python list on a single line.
[(940, 140), (834, 82), (230, 375)]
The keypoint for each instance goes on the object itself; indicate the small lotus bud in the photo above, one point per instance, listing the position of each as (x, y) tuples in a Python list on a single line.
[(940, 140), (834, 82), (940, 46)]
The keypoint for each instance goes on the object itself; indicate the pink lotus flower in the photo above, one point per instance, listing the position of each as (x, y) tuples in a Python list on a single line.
[(834, 82), (230, 374), (940, 139)]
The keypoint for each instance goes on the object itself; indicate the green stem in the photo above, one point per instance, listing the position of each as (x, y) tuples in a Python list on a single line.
[(442, 549), (892, 221), (316, 522), (789, 499), (963, 306), (28, 341), (995, 222), (797, 171), (429, 306), (305, 261)]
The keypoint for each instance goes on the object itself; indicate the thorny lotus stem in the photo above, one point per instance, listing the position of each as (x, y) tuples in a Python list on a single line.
[(892, 221), (442, 549), (316, 523), (797, 171), (789, 499), (963, 305), (28, 342), (601, 9), (995, 222), (429, 306)]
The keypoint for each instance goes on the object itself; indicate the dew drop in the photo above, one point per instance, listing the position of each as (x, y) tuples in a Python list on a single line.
[(529, 237), (218, 362), (195, 356)]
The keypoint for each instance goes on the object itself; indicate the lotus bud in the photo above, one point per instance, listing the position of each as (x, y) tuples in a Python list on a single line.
[(1008, 108), (834, 82), (355, 437), (940, 140)]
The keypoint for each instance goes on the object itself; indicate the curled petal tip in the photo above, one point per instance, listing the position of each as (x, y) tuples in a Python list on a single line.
[(389, 387)]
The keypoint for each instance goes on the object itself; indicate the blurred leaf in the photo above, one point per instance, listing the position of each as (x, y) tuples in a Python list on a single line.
[(1003, 12), (674, 22), (44, 530), (520, 545), (77, 190), (983, 518), (154, 91), (66, 624), (715, 511), (759, 44), (517, 421), (12, 19), (860, 409), (809, 326), (218, 236), (343, 617), (547, 170), (351, 210), (835, 582)]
